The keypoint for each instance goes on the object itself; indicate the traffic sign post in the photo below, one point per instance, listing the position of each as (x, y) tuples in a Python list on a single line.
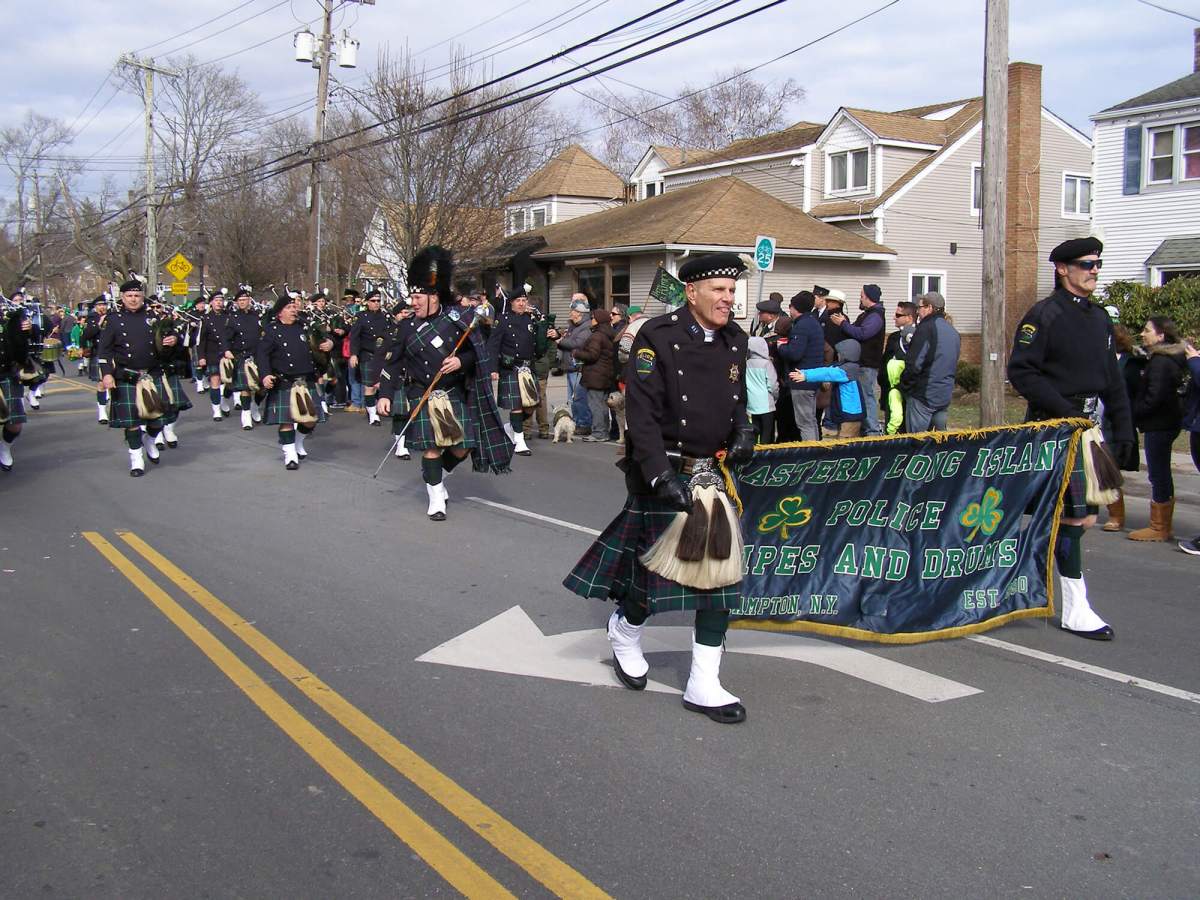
[(179, 288), (180, 267), (764, 260)]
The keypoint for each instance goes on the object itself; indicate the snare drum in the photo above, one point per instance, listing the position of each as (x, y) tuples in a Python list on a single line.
[(51, 350)]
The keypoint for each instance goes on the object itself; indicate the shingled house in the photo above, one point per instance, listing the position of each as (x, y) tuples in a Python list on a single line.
[(900, 191), (1147, 199)]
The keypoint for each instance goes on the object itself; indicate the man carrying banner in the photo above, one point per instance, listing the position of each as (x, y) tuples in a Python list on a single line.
[(1063, 363), (676, 544)]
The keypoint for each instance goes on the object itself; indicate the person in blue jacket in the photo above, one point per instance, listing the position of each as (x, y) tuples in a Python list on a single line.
[(847, 402), (804, 349)]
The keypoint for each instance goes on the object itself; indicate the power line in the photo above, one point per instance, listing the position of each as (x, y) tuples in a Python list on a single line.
[(1173, 12), (230, 27), (180, 34)]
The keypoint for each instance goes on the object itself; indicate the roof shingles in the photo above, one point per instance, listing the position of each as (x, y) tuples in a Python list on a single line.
[(572, 173)]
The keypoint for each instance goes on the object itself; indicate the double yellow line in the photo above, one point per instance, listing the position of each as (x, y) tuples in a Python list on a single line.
[(441, 855)]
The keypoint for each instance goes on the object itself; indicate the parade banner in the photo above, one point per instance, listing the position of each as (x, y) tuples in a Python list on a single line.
[(904, 539)]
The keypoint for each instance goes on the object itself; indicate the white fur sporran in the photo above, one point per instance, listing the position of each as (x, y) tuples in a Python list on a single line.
[(226, 367), (1100, 471), (701, 548), (527, 387), (447, 430), (250, 371), (149, 399), (303, 411)]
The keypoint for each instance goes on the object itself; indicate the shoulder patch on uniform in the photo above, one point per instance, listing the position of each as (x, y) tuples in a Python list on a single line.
[(1026, 333), (644, 363), (454, 315)]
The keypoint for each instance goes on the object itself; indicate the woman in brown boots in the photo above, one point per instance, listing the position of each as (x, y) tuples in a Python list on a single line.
[(1158, 414)]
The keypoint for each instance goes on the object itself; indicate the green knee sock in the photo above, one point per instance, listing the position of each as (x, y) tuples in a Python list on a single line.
[(431, 469), (287, 437), (711, 625), (133, 438), (1068, 551)]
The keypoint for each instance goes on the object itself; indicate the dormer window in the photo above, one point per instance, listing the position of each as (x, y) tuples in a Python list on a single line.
[(849, 171), (516, 221)]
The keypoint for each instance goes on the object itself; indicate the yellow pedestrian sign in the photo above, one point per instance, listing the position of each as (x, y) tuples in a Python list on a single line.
[(179, 287), (179, 267)]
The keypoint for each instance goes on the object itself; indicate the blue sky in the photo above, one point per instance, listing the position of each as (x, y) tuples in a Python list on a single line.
[(918, 51)]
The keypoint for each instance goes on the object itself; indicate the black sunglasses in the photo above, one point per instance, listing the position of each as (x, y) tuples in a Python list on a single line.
[(1089, 264)]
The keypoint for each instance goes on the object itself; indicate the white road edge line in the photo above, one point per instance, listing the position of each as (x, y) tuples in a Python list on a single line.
[(538, 516), (1131, 680)]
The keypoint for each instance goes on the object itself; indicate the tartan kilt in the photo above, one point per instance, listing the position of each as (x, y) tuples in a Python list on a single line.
[(370, 367), (420, 434), (211, 369), (611, 568), (182, 400), (1075, 505), (14, 396), (239, 384), (122, 406), (277, 408), (508, 392)]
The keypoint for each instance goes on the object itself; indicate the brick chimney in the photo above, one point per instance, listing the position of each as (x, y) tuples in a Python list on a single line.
[(1023, 191)]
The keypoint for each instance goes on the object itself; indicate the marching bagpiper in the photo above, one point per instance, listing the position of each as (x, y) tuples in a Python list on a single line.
[(285, 364), (676, 545), (15, 331), (398, 404), (133, 376), (90, 338), (210, 350), (512, 348), (177, 365), (439, 363), (368, 339), (242, 334)]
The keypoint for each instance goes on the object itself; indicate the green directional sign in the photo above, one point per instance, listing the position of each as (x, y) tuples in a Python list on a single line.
[(764, 253)]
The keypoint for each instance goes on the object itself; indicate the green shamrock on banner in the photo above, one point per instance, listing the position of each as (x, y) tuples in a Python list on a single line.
[(792, 513), (984, 516)]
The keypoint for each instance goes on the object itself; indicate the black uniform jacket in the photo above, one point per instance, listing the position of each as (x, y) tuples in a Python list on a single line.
[(683, 396), (210, 345), (283, 350), (369, 333), (127, 342), (1062, 354), (418, 349), (91, 330), (242, 332), (513, 341)]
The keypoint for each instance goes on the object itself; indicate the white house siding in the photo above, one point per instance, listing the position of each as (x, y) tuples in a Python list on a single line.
[(897, 161), (1061, 152), (641, 275), (573, 207), (793, 274), (921, 225), (777, 177), (1133, 226), (845, 136), (650, 173), (562, 285)]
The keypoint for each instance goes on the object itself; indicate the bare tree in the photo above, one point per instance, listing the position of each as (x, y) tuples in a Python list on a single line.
[(447, 184), (26, 149), (737, 106)]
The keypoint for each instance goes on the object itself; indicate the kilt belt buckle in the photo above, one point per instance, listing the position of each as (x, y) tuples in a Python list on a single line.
[(690, 465)]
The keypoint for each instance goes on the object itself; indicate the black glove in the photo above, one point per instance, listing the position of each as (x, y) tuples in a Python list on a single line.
[(1125, 455), (742, 446), (668, 489)]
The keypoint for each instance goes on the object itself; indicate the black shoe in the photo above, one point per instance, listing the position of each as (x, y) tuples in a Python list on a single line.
[(377, 424), (634, 684), (4, 468), (726, 715), (437, 517), (172, 444), (226, 413), (218, 418), (524, 453), (247, 428), (291, 465), (102, 422), (1100, 634), (154, 459), (1192, 547), (137, 473)]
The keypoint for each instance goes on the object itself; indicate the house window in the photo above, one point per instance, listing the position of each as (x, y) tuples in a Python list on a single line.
[(590, 280), (924, 282), (976, 189), (516, 221), (849, 170), (1191, 152), (1166, 275), (606, 283), (1162, 156), (539, 217), (651, 190), (619, 282), (1077, 195)]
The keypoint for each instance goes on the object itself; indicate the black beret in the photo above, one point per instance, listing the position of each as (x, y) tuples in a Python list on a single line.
[(374, 295), (132, 285), (1076, 248), (243, 291), (712, 265), (770, 305), (349, 292), (802, 302), (518, 292), (279, 304)]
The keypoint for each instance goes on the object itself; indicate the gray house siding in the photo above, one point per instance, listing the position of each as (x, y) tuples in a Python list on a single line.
[(897, 161), (777, 177)]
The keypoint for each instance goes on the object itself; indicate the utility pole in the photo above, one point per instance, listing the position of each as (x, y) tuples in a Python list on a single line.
[(993, 216), (41, 233), (148, 66), (314, 211)]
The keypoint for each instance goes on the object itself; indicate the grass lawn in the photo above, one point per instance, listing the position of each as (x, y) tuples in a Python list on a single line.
[(964, 411)]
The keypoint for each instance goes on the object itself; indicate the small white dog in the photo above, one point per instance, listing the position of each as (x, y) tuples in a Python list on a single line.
[(564, 426), (616, 402)]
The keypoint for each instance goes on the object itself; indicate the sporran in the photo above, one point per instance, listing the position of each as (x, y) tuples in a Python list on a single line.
[(149, 400), (302, 408), (528, 387), (447, 430)]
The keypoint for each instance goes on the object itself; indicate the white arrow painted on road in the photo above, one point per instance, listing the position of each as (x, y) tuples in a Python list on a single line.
[(513, 644)]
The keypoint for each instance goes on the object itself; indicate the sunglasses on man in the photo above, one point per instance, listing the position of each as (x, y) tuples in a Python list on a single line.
[(1089, 265)]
